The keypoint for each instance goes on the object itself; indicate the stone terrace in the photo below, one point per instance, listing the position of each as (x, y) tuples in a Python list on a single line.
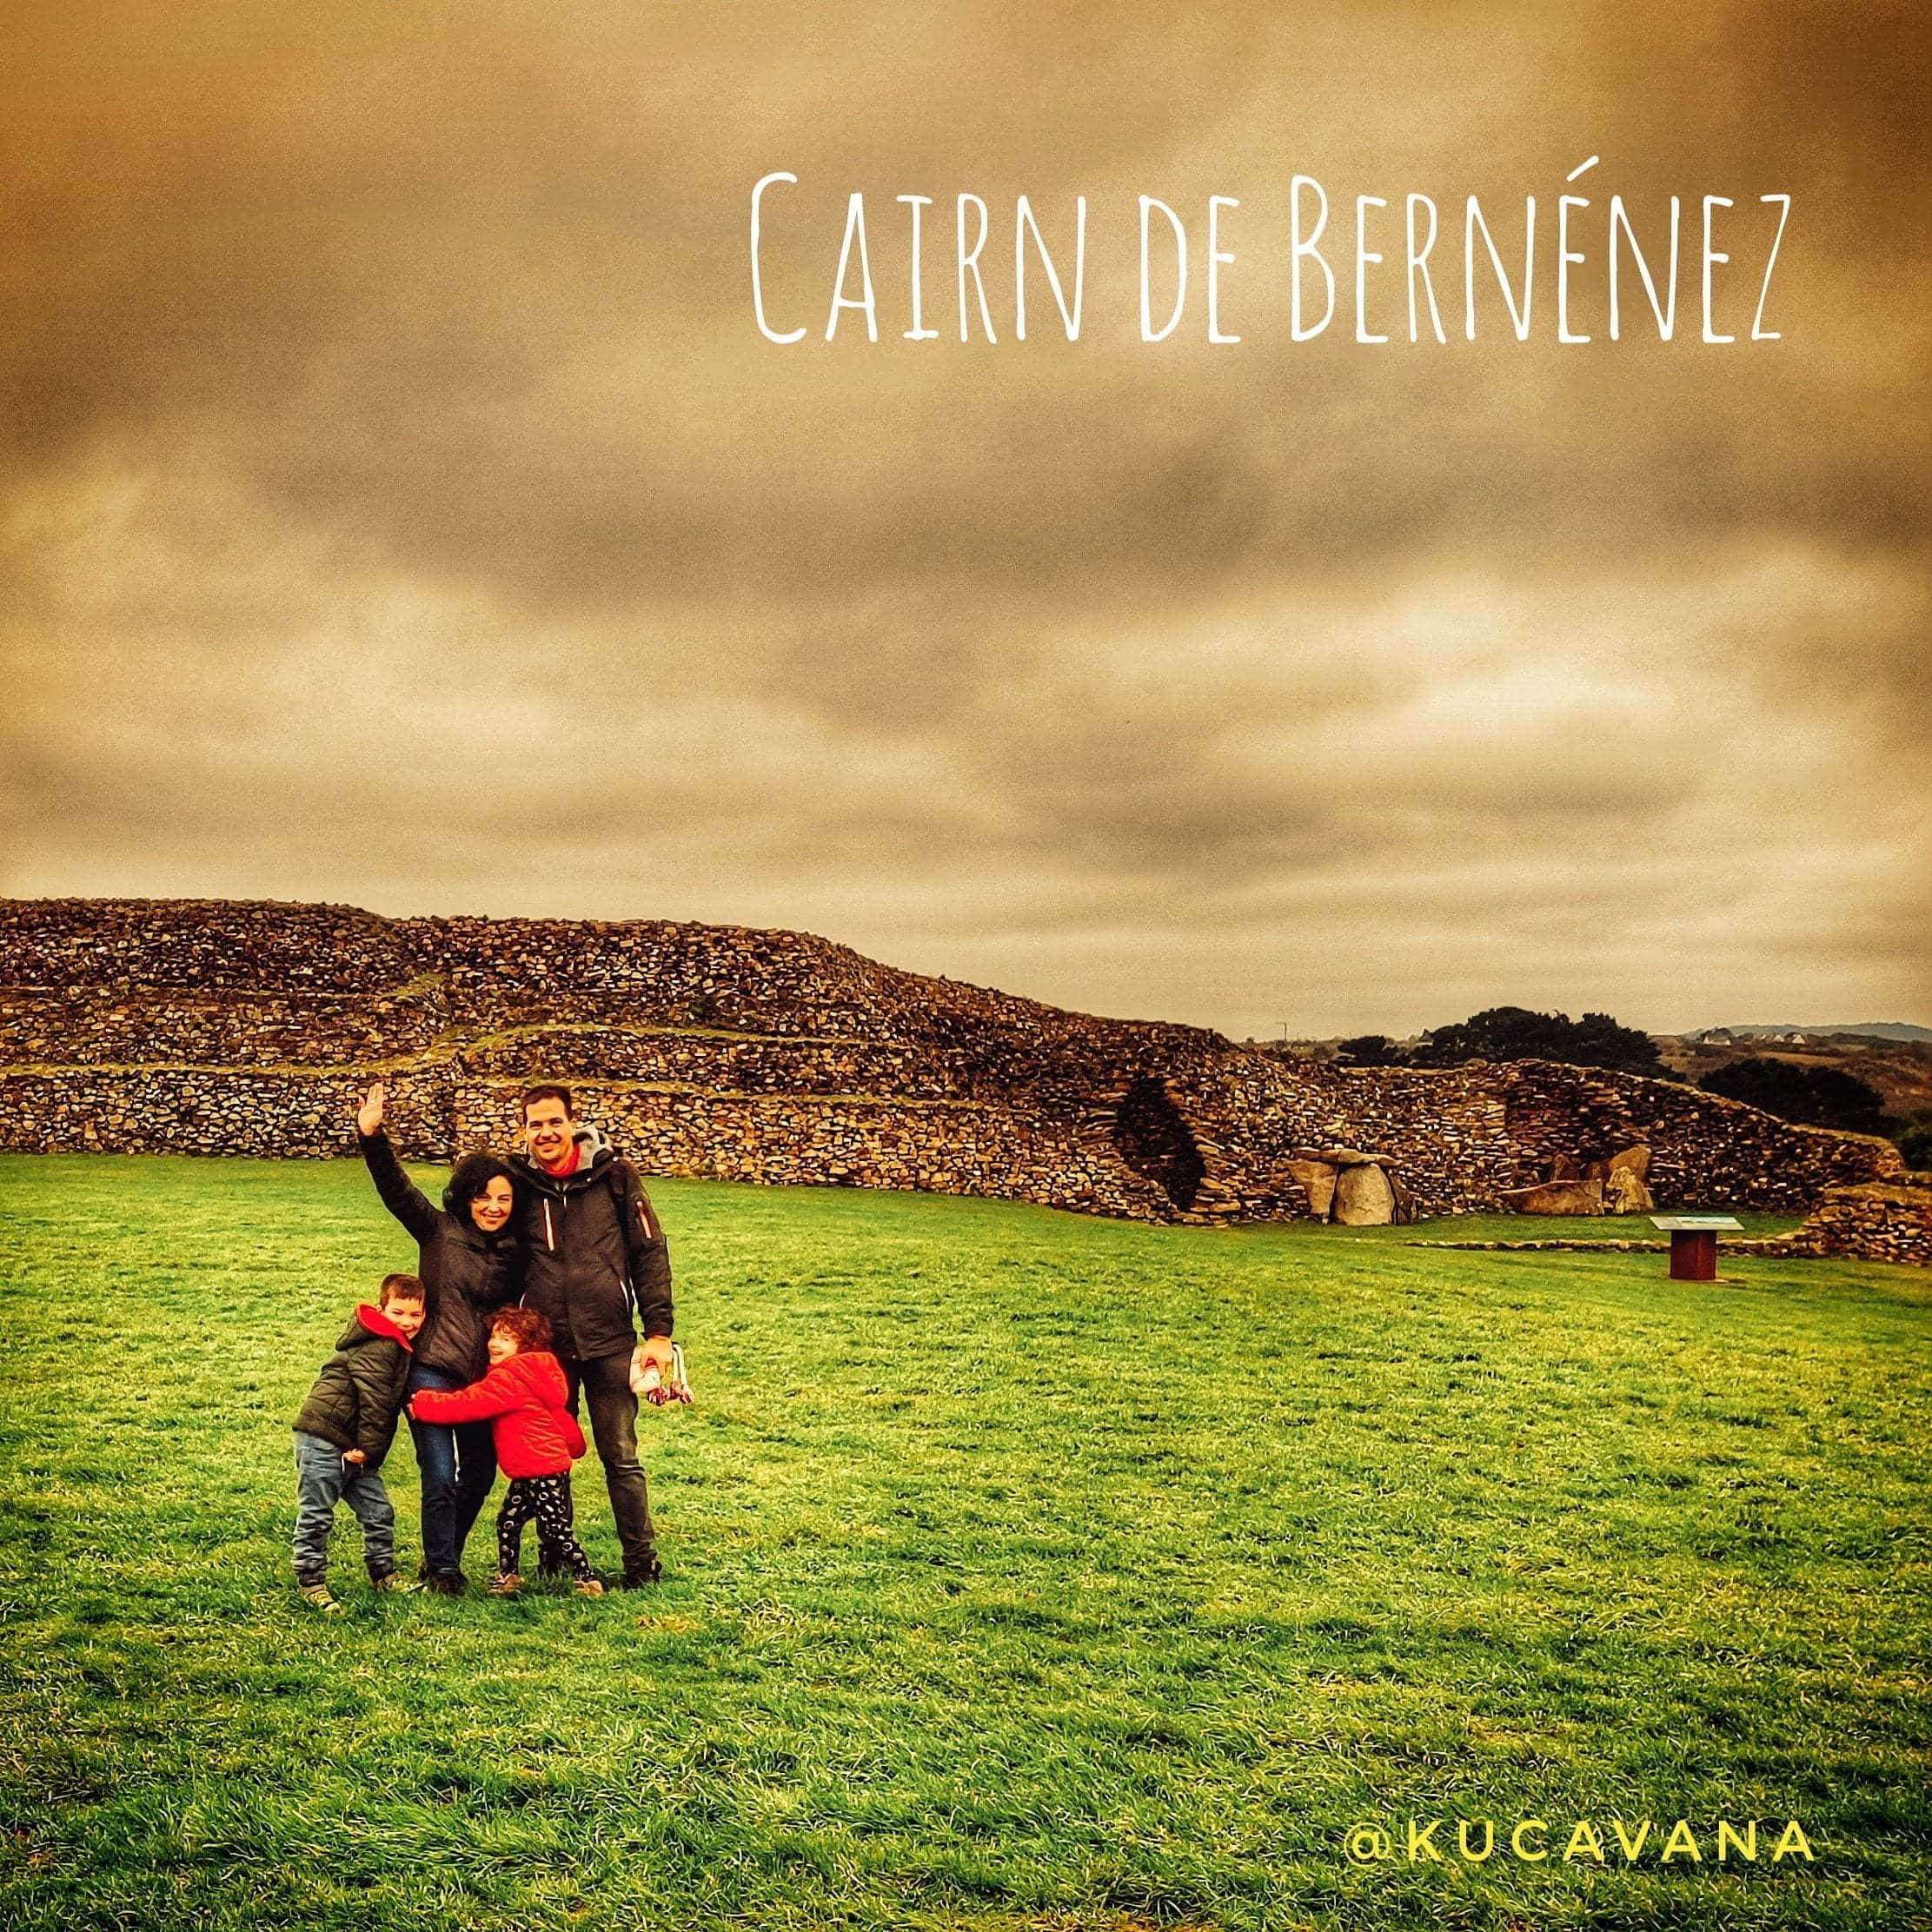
[(216, 1026)]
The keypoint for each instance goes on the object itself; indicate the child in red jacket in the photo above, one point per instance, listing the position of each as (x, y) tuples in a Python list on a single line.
[(524, 1398)]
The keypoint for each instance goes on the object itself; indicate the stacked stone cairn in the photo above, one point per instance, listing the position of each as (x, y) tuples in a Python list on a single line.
[(242, 1027)]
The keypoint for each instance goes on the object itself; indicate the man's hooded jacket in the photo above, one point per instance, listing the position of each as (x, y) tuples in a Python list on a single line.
[(596, 1266)]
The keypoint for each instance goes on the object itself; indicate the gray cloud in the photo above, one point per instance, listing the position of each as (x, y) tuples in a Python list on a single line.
[(398, 505)]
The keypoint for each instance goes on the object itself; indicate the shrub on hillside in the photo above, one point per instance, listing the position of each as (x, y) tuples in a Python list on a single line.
[(1372, 1050), (1915, 1142), (1516, 1033), (1816, 1096)]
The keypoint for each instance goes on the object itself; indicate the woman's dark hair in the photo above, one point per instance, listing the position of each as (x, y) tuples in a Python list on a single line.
[(474, 1172), (527, 1328)]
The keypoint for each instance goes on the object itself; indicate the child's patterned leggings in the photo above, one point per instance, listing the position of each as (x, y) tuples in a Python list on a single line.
[(545, 1499)]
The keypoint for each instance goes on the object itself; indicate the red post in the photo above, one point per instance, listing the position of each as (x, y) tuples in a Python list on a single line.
[(1693, 1254)]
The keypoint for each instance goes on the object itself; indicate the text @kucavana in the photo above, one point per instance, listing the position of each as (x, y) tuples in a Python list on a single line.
[(1678, 1841)]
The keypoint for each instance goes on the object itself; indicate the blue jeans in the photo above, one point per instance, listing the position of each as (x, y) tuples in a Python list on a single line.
[(324, 1479), (458, 1466)]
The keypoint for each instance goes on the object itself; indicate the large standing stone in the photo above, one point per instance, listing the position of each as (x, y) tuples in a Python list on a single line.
[(1363, 1198), (1318, 1178), (1625, 1192)]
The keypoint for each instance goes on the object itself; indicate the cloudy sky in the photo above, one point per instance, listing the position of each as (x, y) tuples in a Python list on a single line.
[(401, 506)]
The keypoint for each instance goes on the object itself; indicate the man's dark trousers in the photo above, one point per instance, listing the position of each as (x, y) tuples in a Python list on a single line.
[(605, 1382)]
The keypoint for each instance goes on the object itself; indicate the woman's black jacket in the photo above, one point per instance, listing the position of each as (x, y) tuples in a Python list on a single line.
[(468, 1274)]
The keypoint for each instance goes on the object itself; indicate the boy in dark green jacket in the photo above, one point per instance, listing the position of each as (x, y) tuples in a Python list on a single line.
[(344, 1431)]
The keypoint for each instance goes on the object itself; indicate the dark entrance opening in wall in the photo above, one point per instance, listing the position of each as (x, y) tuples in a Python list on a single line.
[(1156, 1142)]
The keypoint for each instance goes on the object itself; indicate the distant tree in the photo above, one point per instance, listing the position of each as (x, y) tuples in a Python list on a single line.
[(1516, 1033), (1915, 1142), (1817, 1096), (1599, 1041), (1844, 1100), (1776, 1086), (1372, 1050)]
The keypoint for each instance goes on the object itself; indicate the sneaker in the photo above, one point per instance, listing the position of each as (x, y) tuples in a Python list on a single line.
[(506, 1583), (638, 1575), (393, 1582), (588, 1586), (444, 1582), (324, 1599)]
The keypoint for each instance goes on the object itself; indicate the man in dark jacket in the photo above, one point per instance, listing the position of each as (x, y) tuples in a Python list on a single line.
[(343, 1432), (597, 1268)]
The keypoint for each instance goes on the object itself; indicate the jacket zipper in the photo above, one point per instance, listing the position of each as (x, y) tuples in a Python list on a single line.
[(549, 1234)]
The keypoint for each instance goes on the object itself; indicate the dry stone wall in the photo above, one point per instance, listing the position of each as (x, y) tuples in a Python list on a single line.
[(299, 1113), (213, 1027), (209, 943), (88, 1027), (1878, 1221), (729, 1064)]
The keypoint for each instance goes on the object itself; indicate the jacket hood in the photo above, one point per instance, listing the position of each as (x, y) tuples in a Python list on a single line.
[(371, 1324), (593, 1151)]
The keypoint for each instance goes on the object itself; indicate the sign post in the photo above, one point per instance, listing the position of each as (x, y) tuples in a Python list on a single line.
[(1693, 1243)]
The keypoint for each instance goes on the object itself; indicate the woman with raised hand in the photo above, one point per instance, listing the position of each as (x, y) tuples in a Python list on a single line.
[(471, 1264)]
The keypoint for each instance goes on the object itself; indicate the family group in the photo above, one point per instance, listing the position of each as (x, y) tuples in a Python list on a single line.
[(534, 1280)]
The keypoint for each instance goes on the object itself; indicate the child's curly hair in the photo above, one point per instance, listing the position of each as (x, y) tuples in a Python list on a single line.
[(525, 1326)]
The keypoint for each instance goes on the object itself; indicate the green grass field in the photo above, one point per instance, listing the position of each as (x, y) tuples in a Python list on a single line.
[(1024, 1571)]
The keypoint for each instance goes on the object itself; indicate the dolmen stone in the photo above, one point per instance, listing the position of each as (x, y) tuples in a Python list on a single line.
[(1317, 1180), (1571, 1197), (1363, 1198), (1625, 1192)]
